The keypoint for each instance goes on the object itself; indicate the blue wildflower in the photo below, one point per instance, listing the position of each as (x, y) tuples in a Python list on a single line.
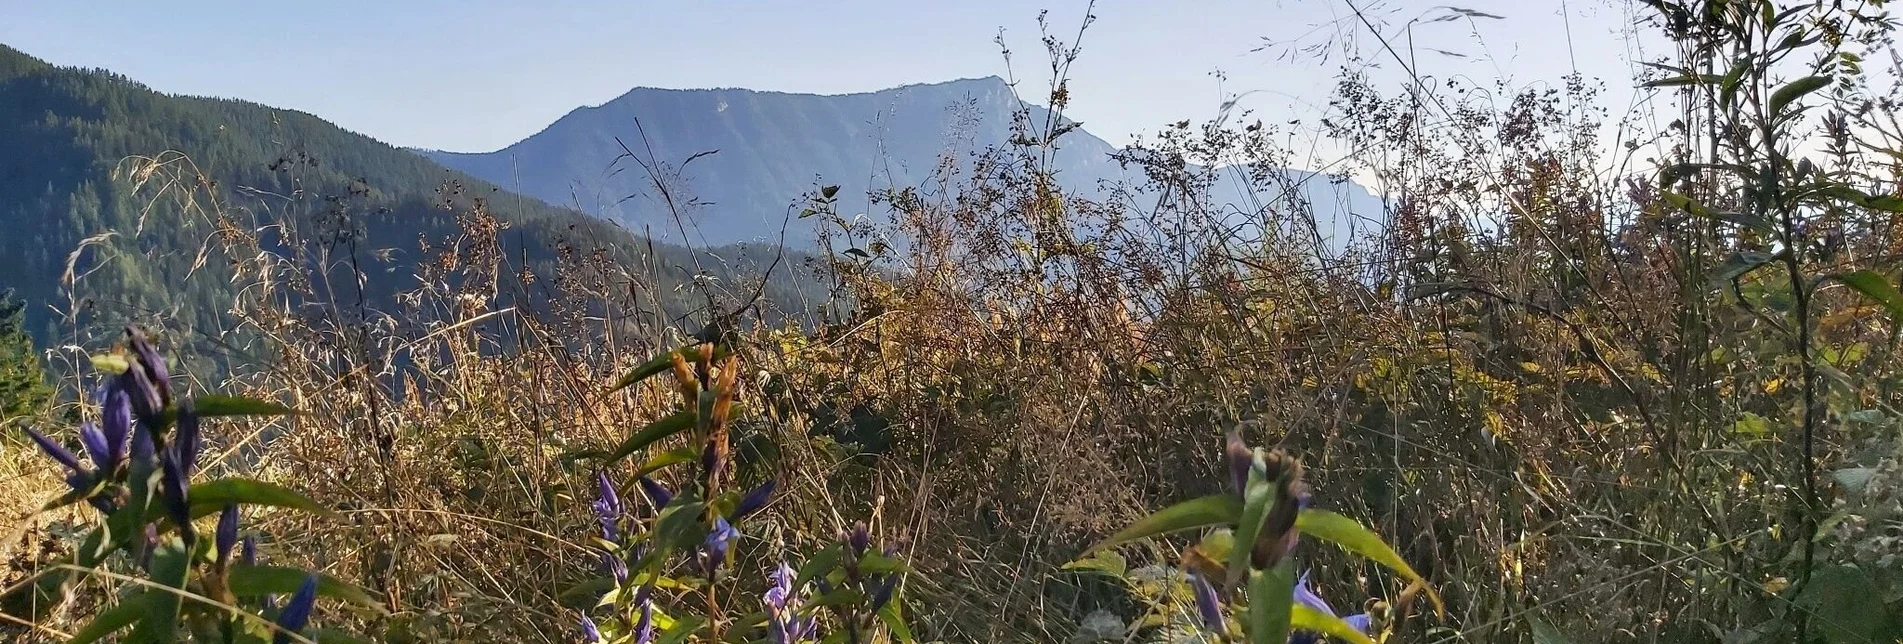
[(115, 422), (56, 450), (589, 633), (227, 534), (754, 500), (783, 626), (1208, 606), (715, 548), (186, 442), (175, 467), (94, 440), (608, 508), (1306, 595), (644, 627), (148, 381), (297, 612), (859, 539), (657, 493)]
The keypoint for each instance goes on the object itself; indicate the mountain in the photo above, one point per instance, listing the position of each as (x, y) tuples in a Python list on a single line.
[(79, 173), (754, 153)]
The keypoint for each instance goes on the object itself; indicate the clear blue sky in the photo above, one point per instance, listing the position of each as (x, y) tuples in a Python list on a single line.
[(476, 75)]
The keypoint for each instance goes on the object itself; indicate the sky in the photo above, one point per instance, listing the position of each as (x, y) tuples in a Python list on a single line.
[(477, 75)]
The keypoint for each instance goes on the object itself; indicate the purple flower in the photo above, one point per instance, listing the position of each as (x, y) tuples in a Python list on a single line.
[(783, 626), (77, 477), (97, 448), (608, 508), (882, 590), (227, 534), (754, 500), (589, 633), (644, 627), (657, 493), (55, 450), (1208, 607), (186, 442), (144, 448), (115, 421), (173, 485), (715, 548), (859, 539), (615, 566), (148, 381), (297, 612), (248, 551), (1306, 596)]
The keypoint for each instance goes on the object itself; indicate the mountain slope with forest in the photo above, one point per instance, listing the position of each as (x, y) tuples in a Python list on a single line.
[(746, 157), (155, 187)]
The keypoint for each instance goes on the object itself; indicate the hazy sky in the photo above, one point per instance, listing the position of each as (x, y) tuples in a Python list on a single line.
[(476, 75)]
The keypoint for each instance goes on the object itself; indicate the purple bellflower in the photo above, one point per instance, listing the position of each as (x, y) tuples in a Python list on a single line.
[(78, 476), (1305, 595), (227, 535), (644, 627), (148, 381), (657, 493), (589, 633), (608, 508), (715, 548), (1208, 607), (754, 500), (783, 626), (297, 612)]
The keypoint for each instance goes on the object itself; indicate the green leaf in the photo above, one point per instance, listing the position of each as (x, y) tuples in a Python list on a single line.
[(253, 581), (1738, 265), (673, 424), (1795, 90), (112, 363), (1270, 594), (1544, 632), (1846, 606), (874, 563), (584, 594), (219, 405), (684, 627), (169, 567), (211, 496), (1210, 510), (1876, 287), (667, 459), (1686, 204), (894, 620), (679, 525), (841, 596), (1683, 80), (109, 621), (1302, 617), (1107, 562), (1345, 532), (818, 565), (1257, 498), (663, 362)]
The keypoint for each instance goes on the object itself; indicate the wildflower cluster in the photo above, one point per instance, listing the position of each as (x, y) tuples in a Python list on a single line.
[(142, 455), (668, 572), (1242, 573)]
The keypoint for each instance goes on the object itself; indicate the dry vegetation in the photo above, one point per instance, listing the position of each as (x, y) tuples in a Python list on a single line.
[(1621, 404)]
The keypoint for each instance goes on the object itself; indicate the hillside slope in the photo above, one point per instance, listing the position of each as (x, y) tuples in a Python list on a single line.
[(302, 187)]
